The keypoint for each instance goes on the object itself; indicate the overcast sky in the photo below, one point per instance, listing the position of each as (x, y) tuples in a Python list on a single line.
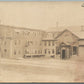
[(41, 15)]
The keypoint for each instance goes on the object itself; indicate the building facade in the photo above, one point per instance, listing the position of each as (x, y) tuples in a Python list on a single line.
[(67, 44), (33, 47), (49, 45), (25, 43), (5, 42), (19, 43)]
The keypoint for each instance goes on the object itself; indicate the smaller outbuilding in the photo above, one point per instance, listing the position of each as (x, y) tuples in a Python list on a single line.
[(67, 44)]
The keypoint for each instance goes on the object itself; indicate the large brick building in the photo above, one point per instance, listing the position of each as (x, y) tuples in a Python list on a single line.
[(25, 43)]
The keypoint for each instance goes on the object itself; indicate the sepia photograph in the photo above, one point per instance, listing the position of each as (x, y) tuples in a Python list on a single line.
[(42, 41)]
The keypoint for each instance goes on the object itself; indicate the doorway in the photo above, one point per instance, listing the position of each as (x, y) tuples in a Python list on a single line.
[(63, 54)]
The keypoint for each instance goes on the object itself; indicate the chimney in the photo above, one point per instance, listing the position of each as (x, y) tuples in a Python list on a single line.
[(82, 28), (57, 24)]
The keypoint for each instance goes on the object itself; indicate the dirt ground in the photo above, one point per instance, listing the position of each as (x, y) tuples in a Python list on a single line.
[(41, 70)]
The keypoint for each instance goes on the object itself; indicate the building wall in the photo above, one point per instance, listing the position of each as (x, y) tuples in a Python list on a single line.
[(70, 42), (81, 48), (19, 41), (67, 37), (5, 42), (81, 42), (49, 48), (34, 44), (15, 41)]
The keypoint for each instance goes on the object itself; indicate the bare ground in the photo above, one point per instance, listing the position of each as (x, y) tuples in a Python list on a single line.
[(41, 70)]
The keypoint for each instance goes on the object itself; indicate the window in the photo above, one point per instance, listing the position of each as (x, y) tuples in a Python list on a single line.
[(23, 33), (35, 52), (28, 33), (17, 32), (41, 51), (38, 51), (35, 34), (40, 43), (26, 52), (19, 51), (49, 52), (52, 43), (19, 41), (5, 43), (52, 51), (14, 52), (5, 50), (30, 43), (57, 50), (27, 43), (15, 42), (74, 50), (45, 51), (45, 43), (49, 43)]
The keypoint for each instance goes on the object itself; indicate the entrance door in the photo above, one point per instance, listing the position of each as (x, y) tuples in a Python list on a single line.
[(63, 54)]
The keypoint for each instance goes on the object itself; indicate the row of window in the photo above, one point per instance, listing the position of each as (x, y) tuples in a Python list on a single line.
[(49, 51), (28, 33), (35, 52), (74, 50), (49, 43), (46, 51), (6, 42), (29, 43), (17, 42), (15, 52)]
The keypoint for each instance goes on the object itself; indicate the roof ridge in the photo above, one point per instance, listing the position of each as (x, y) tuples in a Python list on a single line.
[(21, 27)]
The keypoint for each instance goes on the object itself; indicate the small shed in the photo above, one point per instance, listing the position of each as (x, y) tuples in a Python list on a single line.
[(81, 47)]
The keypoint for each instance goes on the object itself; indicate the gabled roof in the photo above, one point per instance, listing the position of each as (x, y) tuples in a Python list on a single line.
[(79, 34), (66, 31), (50, 35)]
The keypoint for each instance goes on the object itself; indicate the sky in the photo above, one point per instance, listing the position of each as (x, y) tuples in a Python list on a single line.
[(42, 15)]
